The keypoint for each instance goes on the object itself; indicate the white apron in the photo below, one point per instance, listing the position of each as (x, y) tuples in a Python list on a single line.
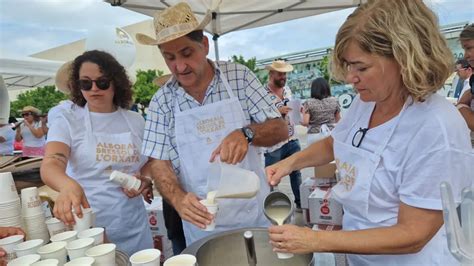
[(357, 168), (124, 219), (198, 132)]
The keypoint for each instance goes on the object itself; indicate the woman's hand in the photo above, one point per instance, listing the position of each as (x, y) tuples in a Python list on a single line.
[(10, 231), (292, 239), (146, 189), (71, 196), (276, 172)]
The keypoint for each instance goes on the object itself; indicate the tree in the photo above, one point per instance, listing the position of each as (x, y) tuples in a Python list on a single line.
[(323, 67), (43, 98), (144, 88), (252, 65)]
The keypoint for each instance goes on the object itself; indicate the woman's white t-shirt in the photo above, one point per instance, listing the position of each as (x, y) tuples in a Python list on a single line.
[(431, 144), (6, 132), (29, 140)]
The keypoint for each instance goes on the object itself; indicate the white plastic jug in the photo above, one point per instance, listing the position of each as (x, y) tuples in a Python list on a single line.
[(231, 181)]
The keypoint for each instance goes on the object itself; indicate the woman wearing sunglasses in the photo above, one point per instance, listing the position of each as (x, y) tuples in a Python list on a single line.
[(398, 141), (32, 132), (93, 141)]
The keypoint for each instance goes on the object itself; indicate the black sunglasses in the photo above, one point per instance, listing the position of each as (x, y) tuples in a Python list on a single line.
[(359, 136), (86, 84), (26, 114)]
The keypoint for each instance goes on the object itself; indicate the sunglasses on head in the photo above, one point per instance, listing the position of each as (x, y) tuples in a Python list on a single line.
[(26, 114), (86, 84)]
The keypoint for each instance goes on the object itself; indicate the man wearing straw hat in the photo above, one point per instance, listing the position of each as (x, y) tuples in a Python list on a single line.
[(281, 95), (208, 111)]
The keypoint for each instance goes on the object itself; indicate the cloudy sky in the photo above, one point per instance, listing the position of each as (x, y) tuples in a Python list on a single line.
[(31, 26)]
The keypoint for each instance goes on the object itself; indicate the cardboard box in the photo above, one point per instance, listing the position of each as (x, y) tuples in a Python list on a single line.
[(309, 184), (164, 245), (323, 209), (325, 171), (156, 220)]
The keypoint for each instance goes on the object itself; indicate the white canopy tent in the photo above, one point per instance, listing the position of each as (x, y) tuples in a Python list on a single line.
[(232, 15), (27, 73)]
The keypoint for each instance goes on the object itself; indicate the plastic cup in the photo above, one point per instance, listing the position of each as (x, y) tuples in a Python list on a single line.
[(103, 254), (77, 248), (30, 202), (8, 191), (55, 226), (82, 261), (181, 260), (85, 222), (46, 262), (97, 233), (125, 180), (231, 181), (146, 257), (54, 250), (28, 247), (212, 209), (67, 236), (9, 243), (25, 260)]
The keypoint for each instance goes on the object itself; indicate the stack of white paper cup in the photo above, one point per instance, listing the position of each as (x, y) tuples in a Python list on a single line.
[(85, 222), (28, 247), (55, 226), (97, 233), (33, 215), (67, 237), (125, 180), (10, 207), (8, 244), (181, 260), (146, 257), (25, 260), (82, 261), (54, 250), (103, 254), (212, 209)]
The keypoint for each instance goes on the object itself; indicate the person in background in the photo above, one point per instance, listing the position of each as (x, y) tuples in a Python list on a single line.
[(208, 111), (321, 109), (281, 95), (6, 232), (395, 145), (31, 131), (464, 72), (99, 137), (7, 137)]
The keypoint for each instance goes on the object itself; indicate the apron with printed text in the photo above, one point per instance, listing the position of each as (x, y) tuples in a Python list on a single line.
[(198, 133), (124, 218), (357, 169)]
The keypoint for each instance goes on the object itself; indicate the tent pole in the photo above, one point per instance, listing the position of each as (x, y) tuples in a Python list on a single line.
[(216, 45)]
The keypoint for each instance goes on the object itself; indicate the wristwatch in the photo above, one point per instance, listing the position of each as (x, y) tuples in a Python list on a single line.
[(248, 133)]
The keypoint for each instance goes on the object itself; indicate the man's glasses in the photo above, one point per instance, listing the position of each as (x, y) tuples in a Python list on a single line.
[(359, 136), (459, 69), (86, 84), (26, 114)]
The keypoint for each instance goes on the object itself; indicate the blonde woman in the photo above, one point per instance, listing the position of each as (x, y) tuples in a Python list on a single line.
[(31, 131), (398, 141)]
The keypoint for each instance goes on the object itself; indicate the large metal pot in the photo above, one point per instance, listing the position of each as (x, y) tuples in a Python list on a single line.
[(228, 248)]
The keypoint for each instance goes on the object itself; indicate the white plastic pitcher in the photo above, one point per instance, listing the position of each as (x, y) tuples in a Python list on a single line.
[(459, 242), (231, 181)]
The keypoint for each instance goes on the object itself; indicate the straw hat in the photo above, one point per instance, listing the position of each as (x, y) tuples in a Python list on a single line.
[(280, 66), (31, 109), (160, 81), (172, 23), (62, 77)]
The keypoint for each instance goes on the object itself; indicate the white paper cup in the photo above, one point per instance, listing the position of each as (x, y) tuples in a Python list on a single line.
[(54, 250), (97, 233), (103, 254), (28, 247), (212, 209), (284, 256), (85, 222), (67, 236), (181, 260), (146, 257), (55, 226), (25, 260), (125, 180), (8, 191), (82, 261), (30, 202), (8, 244), (77, 248), (46, 262)]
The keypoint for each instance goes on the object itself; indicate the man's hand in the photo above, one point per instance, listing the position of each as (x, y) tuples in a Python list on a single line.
[(191, 210), (284, 110), (232, 149)]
